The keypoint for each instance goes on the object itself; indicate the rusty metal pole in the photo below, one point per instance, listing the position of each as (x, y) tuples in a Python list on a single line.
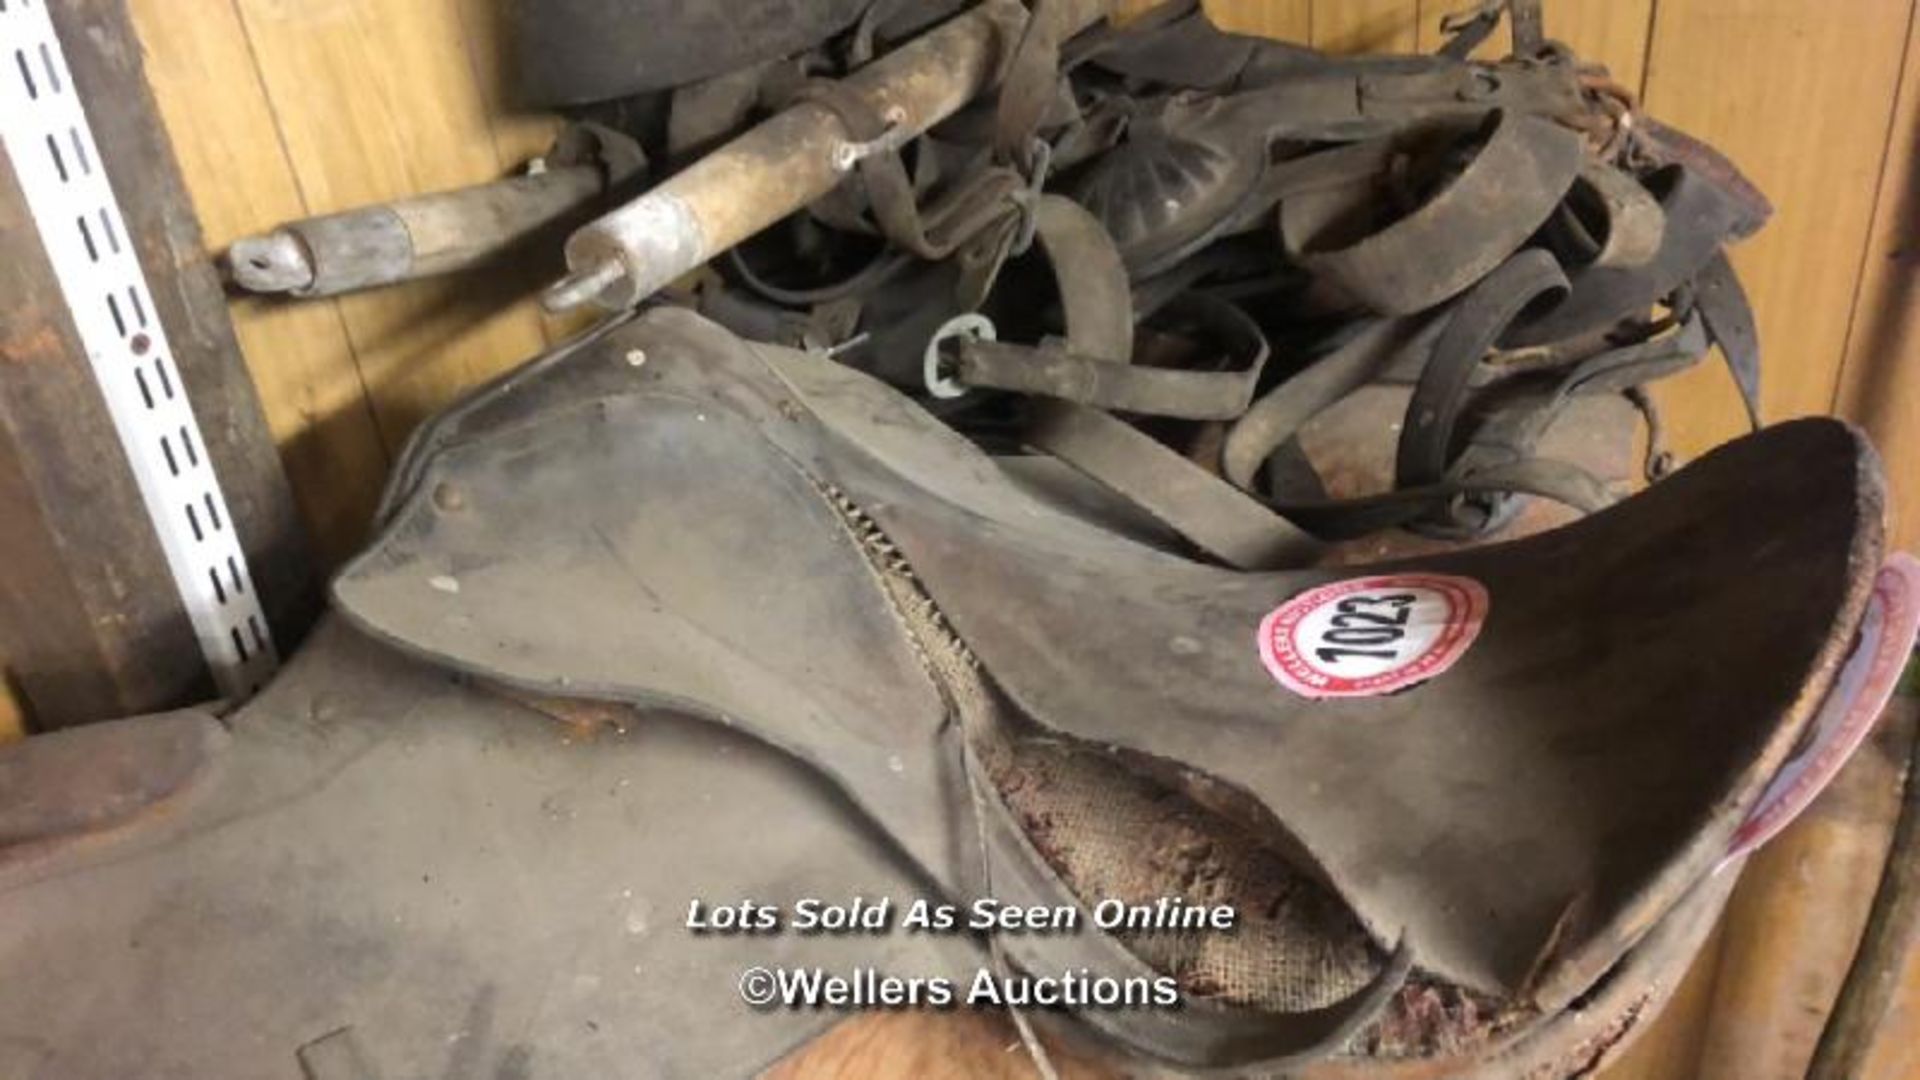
[(441, 232), (791, 159), (410, 238)]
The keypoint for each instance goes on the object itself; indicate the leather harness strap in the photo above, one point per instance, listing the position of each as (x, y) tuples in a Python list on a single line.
[(1345, 519), (1522, 169), (1222, 520), (1056, 371), (1202, 159), (1498, 458), (1279, 415), (1030, 85), (983, 199), (1729, 319), (1529, 277), (1699, 216), (1630, 223)]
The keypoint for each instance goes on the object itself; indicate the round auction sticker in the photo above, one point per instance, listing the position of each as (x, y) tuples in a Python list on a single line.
[(1371, 635)]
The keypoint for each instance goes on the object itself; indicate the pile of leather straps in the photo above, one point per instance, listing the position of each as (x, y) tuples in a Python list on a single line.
[(1152, 250), (1161, 250)]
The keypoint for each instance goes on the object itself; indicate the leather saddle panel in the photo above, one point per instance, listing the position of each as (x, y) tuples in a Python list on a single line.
[(86, 779), (395, 867)]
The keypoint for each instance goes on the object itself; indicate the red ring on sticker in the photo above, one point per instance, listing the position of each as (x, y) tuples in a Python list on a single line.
[(1858, 695), (1366, 636)]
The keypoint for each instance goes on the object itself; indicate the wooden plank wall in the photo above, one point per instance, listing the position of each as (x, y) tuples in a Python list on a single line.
[(282, 108)]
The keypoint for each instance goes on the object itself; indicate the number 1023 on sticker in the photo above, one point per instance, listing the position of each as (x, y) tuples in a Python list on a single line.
[(1366, 636)]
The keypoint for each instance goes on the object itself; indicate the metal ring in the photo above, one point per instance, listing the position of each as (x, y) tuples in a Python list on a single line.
[(846, 153), (972, 325)]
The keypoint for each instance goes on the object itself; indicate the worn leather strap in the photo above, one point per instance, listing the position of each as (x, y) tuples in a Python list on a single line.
[(985, 197), (1175, 44), (1529, 27), (1522, 169), (1729, 318), (1095, 299), (1346, 519), (1053, 370), (1699, 216), (1400, 92), (1218, 518), (1189, 164), (1030, 85), (1497, 462), (1608, 219), (1439, 396), (1666, 352), (1663, 145), (1468, 492), (1511, 429), (1278, 416), (1467, 30)]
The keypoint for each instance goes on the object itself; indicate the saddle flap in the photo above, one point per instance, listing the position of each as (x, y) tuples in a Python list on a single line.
[(639, 549)]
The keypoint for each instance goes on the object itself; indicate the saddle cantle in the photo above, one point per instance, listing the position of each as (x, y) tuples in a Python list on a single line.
[(668, 515)]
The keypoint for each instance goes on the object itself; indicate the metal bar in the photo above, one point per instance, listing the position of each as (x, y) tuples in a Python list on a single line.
[(790, 159), (62, 175)]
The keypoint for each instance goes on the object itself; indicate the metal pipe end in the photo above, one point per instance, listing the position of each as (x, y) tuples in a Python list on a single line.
[(275, 262), (582, 286)]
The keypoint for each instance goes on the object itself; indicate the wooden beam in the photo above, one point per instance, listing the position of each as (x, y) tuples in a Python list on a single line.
[(90, 619)]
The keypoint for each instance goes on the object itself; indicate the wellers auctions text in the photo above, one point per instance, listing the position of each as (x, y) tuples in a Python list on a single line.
[(882, 915), (865, 988)]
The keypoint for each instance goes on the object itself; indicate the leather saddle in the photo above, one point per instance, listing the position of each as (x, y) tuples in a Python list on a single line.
[(667, 515), (1483, 854), (376, 870)]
